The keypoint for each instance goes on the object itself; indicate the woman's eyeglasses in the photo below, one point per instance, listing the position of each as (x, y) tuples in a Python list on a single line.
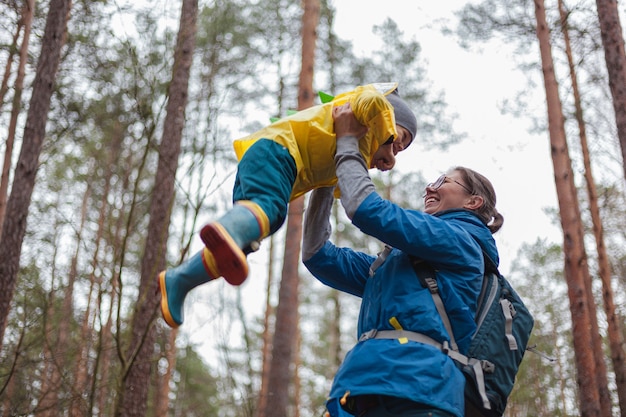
[(442, 180)]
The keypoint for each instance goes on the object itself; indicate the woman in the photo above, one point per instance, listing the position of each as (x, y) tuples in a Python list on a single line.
[(396, 377)]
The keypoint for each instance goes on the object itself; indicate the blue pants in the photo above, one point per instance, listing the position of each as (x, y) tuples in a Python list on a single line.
[(265, 175)]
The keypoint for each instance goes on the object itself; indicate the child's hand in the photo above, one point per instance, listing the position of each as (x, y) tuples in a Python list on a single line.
[(346, 124)]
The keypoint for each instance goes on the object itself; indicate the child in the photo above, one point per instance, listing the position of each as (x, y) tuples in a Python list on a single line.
[(277, 164)]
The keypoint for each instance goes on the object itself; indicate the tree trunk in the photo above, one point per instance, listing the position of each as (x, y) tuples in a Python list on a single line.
[(614, 332), (14, 225), (285, 333), (134, 390), (575, 257), (261, 407), (81, 368), (297, 363), (615, 56), (51, 374), (335, 353), (61, 349), (286, 327), (26, 21), (4, 86), (162, 404), (101, 393), (48, 405)]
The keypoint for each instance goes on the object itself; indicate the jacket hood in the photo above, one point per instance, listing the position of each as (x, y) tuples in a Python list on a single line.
[(479, 231)]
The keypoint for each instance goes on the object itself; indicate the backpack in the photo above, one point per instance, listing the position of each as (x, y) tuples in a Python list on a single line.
[(497, 348)]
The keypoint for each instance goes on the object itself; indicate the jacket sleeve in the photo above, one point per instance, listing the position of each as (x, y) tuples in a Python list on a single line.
[(316, 225), (445, 242), (354, 180), (340, 268)]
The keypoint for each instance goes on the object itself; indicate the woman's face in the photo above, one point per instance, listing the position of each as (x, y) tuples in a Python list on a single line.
[(449, 192)]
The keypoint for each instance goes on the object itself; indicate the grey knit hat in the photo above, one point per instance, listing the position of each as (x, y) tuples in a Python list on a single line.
[(404, 116)]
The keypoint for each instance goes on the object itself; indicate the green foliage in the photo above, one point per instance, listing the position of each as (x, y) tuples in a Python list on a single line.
[(196, 387), (491, 18), (21, 353)]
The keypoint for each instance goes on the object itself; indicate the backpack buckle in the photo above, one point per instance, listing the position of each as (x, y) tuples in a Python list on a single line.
[(487, 366), (431, 283), (368, 335)]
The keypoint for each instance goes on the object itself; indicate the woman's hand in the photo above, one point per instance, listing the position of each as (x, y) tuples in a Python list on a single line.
[(346, 124)]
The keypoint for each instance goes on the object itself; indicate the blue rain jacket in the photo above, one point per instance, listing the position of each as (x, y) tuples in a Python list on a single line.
[(451, 242)]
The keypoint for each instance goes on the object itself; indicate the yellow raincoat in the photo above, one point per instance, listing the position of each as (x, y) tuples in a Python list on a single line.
[(309, 135)]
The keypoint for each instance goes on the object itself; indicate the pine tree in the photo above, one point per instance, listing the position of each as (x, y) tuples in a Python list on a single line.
[(14, 226), (134, 390)]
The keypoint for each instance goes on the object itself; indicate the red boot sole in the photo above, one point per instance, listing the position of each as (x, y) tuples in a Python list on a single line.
[(230, 260)]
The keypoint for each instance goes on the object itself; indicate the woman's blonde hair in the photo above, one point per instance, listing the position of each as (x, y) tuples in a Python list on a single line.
[(481, 186)]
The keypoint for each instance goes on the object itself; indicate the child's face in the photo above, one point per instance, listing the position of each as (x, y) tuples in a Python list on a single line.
[(385, 156), (403, 141)]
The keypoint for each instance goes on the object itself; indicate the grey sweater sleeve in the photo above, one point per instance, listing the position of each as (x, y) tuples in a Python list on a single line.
[(316, 229), (355, 183)]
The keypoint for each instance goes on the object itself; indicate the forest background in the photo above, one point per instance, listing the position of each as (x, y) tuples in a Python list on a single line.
[(476, 89)]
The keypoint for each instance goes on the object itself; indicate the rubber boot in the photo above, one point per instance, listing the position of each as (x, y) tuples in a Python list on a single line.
[(232, 236), (175, 283)]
